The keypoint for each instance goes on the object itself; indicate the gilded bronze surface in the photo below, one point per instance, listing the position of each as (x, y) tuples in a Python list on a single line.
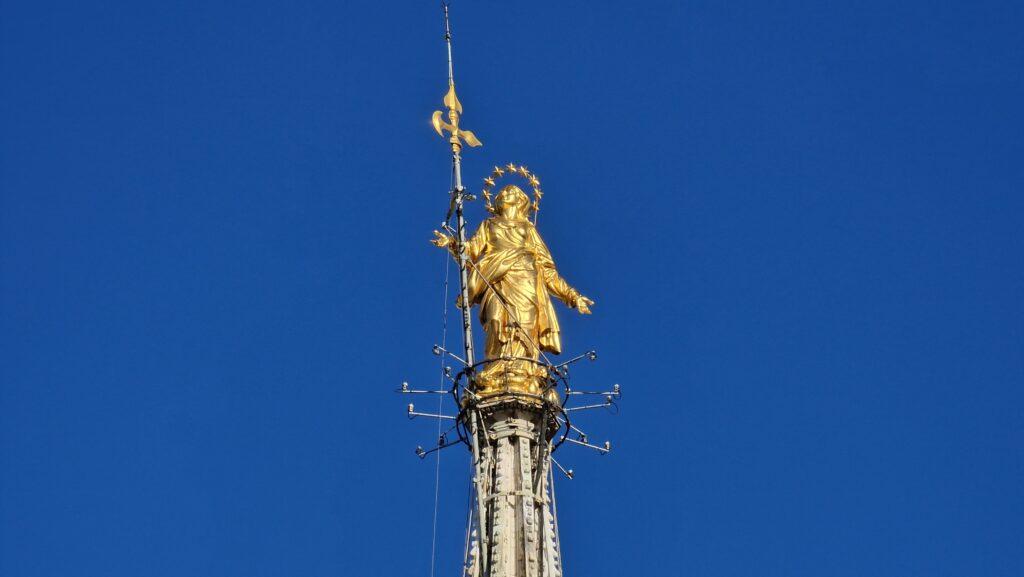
[(500, 171), (451, 102), (513, 279)]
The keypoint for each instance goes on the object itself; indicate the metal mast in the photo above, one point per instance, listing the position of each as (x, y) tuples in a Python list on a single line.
[(458, 198), (459, 192)]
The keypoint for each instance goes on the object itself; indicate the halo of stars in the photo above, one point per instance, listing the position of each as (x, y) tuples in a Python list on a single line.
[(512, 170)]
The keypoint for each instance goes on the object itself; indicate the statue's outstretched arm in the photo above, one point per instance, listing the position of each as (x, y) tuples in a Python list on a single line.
[(474, 246), (557, 285)]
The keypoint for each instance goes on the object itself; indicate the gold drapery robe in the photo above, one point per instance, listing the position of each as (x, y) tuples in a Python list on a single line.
[(513, 278)]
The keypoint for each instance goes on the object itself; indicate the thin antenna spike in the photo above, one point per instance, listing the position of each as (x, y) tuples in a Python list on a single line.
[(569, 474), (438, 350), (421, 453), (583, 435), (607, 448), (405, 390), (608, 402), (451, 102), (615, 392), (448, 41), (412, 413)]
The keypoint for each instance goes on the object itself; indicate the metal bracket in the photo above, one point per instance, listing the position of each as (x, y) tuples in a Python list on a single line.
[(607, 448), (404, 389), (413, 414)]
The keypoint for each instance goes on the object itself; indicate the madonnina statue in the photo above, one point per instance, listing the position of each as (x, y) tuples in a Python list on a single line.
[(513, 277)]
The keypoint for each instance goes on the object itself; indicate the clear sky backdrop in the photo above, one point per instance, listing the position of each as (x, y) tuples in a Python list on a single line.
[(801, 222)]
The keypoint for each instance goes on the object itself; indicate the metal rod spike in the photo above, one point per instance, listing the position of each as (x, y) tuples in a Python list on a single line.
[(567, 472), (412, 415), (405, 390), (607, 403), (422, 454), (615, 392), (582, 434), (438, 350), (602, 450)]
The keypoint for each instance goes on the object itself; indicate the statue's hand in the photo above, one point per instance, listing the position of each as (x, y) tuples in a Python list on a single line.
[(441, 240), (583, 305)]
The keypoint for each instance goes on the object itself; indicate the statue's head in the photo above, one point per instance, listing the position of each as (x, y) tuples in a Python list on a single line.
[(512, 202)]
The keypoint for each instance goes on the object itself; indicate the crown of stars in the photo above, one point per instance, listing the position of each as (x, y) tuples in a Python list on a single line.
[(511, 169)]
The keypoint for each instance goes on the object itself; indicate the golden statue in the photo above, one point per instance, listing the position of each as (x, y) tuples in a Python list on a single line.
[(512, 277)]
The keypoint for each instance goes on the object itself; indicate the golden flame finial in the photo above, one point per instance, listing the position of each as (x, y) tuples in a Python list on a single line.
[(451, 102)]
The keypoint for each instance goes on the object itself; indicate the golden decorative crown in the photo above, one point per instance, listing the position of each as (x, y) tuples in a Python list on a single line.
[(512, 170)]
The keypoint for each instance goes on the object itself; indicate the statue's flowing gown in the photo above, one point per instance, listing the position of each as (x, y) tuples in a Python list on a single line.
[(512, 279)]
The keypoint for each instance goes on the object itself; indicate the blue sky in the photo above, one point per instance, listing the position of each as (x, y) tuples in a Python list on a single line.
[(801, 222)]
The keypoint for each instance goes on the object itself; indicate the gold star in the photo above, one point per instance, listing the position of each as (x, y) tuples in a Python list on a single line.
[(511, 167), (489, 182), (498, 171)]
